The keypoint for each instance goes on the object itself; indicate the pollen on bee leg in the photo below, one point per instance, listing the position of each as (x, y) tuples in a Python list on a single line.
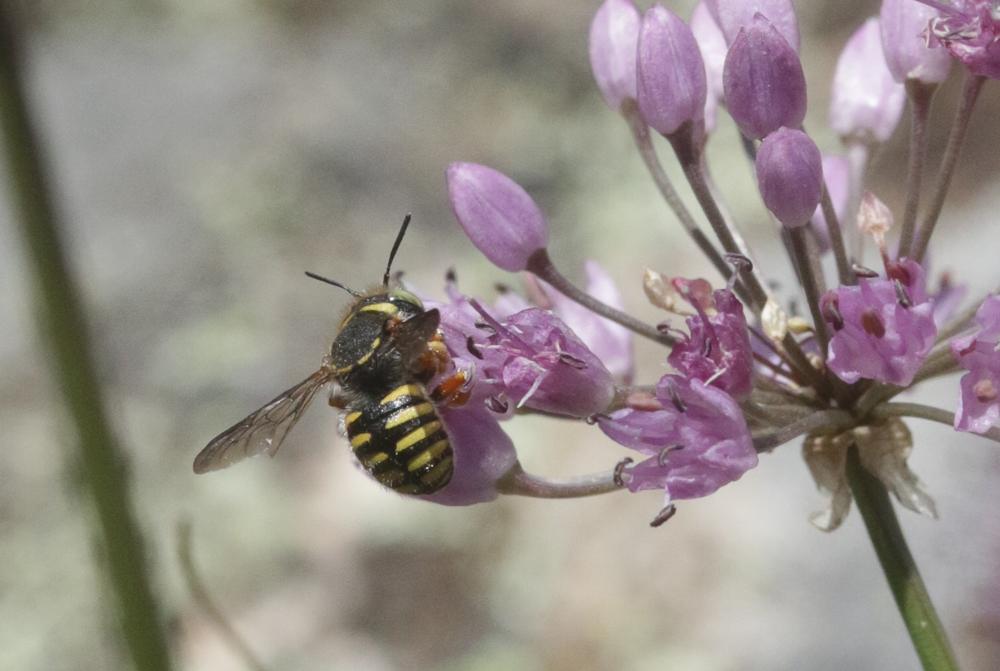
[(452, 390)]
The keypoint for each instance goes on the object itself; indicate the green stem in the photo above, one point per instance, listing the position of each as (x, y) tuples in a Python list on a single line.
[(908, 590), (63, 328), (519, 483)]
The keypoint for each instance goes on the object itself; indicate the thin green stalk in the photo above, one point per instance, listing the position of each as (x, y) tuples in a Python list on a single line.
[(519, 483), (63, 328), (926, 632), (959, 128)]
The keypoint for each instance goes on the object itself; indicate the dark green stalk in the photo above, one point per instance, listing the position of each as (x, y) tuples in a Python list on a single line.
[(63, 328), (908, 590)]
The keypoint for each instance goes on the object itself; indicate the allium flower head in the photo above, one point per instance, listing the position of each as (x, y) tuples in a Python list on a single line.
[(789, 171), (500, 218), (614, 38), (867, 101), (904, 42), (969, 29), (882, 328), (672, 84), (764, 84)]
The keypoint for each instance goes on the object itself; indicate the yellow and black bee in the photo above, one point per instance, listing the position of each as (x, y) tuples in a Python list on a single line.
[(387, 349)]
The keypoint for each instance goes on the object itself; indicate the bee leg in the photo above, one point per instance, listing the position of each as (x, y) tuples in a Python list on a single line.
[(452, 390), (434, 360)]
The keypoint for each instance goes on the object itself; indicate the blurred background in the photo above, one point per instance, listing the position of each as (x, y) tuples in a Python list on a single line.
[(205, 153)]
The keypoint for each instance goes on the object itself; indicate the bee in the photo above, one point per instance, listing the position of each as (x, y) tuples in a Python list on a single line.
[(387, 349)]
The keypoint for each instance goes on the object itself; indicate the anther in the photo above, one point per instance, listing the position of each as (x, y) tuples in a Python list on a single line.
[(675, 397), (863, 271), (661, 458), (501, 288), (902, 295), (570, 360), (619, 470), (596, 417), (668, 511), (497, 405), (831, 311), (483, 326), (739, 262), (470, 345), (450, 276)]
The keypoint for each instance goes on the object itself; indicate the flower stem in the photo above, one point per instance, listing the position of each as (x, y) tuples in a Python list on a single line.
[(63, 328), (519, 483), (832, 420), (541, 264), (811, 279), (908, 590), (930, 413), (920, 95), (844, 271), (643, 141), (973, 85)]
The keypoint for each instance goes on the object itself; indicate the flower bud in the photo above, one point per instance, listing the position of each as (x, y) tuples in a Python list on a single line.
[(672, 86), (907, 55), (712, 45), (732, 15), (764, 84), (614, 36), (500, 218), (790, 176), (867, 101)]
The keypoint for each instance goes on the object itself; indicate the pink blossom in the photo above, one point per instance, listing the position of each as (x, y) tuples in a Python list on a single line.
[(979, 401)]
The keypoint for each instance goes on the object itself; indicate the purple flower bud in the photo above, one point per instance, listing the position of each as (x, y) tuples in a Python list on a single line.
[(614, 38), (697, 442), (837, 175), (732, 15), (790, 176), (979, 353), (904, 24), (500, 218), (671, 74), (970, 30), (483, 454), (717, 350), (763, 79), (867, 102), (882, 328)]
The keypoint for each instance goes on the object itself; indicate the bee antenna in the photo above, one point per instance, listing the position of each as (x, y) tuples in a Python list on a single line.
[(335, 283), (395, 248)]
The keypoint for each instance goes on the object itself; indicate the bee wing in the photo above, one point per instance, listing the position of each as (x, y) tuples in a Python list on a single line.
[(263, 430), (410, 337)]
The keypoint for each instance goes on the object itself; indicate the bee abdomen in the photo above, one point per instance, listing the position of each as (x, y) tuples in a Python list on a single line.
[(401, 441)]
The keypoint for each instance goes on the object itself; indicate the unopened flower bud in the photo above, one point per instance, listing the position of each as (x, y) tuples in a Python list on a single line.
[(903, 23), (614, 36), (500, 218), (790, 176), (732, 15), (867, 101), (672, 85), (764, 84)]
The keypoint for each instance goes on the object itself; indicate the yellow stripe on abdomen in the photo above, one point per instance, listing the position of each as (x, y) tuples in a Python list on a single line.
[(360, 439), (407, 414), (402, 390), (415, 436), (428, 455), (385, 308)]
